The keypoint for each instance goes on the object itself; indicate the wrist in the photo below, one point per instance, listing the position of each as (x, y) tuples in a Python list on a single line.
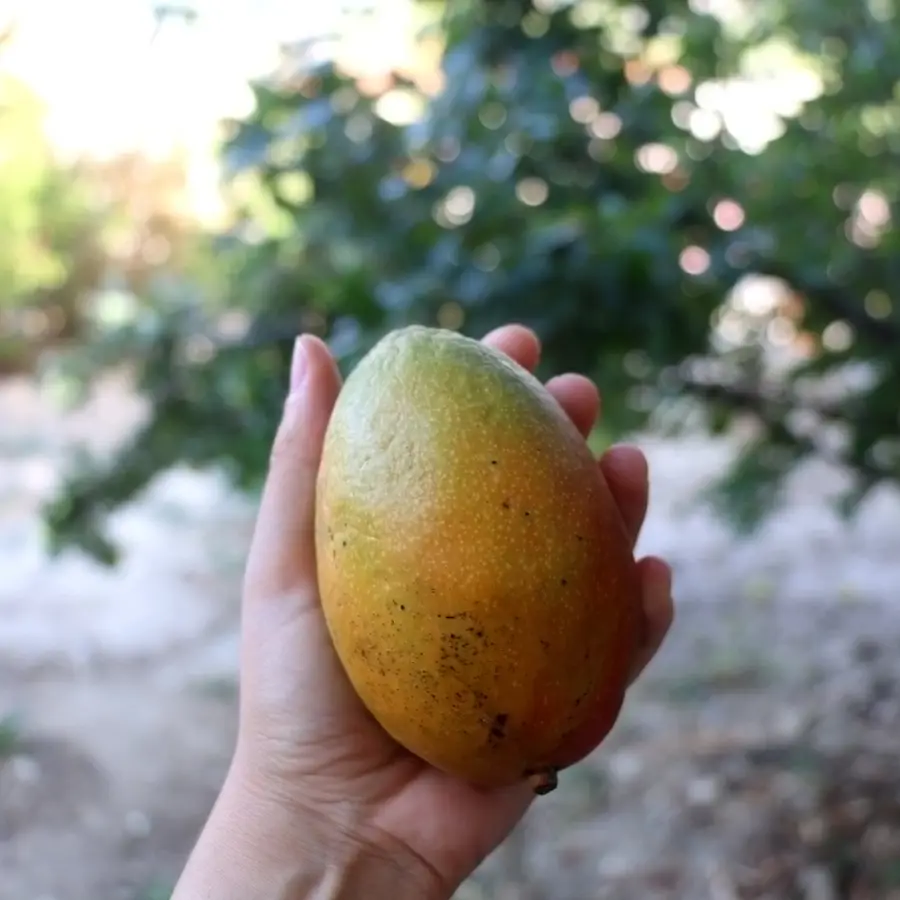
[(254, 849)]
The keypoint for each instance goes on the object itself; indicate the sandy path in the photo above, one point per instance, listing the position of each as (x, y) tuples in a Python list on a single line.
[(125, 680)]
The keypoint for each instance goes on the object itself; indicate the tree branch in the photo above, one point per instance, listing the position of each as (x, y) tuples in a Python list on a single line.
[(883, 332), (772, 411)]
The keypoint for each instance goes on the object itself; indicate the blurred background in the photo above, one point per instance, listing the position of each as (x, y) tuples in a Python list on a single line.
[(691, 202)]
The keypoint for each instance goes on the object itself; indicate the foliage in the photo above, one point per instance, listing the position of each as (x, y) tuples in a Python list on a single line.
[(594, 169), (43, 220), (25, 263), (72, 230), (10, 735)]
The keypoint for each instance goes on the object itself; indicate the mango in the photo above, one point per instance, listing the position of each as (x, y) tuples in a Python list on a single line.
[(475, 574)]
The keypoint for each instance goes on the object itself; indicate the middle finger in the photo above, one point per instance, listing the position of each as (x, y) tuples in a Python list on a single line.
[(577, 395)]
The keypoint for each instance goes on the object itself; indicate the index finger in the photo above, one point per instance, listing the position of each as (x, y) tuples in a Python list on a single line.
[(519, 343)]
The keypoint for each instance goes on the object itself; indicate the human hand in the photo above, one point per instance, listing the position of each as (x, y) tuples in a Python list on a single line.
[(319, 801)]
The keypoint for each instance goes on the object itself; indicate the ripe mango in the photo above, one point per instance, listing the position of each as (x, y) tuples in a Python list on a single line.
[(475, 573)]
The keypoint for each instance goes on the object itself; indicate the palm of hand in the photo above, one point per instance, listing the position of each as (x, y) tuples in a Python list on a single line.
[(303, 730)]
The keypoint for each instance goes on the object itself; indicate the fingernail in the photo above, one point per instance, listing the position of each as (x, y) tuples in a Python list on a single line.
[(298, 365)]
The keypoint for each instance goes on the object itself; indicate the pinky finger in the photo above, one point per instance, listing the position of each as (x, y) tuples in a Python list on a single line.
[(658, 608)]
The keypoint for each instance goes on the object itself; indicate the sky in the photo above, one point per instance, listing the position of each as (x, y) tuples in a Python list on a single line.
[(111, 86), (112, 82)]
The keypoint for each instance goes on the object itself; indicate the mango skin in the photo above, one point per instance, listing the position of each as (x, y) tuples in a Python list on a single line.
[(475, 574)]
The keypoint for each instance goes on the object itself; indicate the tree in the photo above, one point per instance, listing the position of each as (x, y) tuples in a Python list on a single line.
[(576, 166), (38, 209), (60, 222)]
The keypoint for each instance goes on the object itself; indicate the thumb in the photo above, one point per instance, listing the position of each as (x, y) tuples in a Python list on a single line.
[(282, 554)]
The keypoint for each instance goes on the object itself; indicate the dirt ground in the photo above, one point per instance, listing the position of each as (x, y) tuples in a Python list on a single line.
[(756, 759)]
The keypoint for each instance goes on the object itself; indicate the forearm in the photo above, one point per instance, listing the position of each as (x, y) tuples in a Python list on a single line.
[(248, 854)]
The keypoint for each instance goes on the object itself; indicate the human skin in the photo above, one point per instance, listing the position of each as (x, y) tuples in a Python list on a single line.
[(318, 801)]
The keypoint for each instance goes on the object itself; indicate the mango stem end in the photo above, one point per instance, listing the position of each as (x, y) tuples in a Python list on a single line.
[(543, 781)]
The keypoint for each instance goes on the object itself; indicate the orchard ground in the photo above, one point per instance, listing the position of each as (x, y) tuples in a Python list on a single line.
[(756, 758)]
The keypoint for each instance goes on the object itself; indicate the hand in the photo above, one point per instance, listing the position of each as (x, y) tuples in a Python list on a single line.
[(316, 789)]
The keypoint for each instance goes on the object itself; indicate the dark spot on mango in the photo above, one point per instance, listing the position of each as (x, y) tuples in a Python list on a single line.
[(498, 725)]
